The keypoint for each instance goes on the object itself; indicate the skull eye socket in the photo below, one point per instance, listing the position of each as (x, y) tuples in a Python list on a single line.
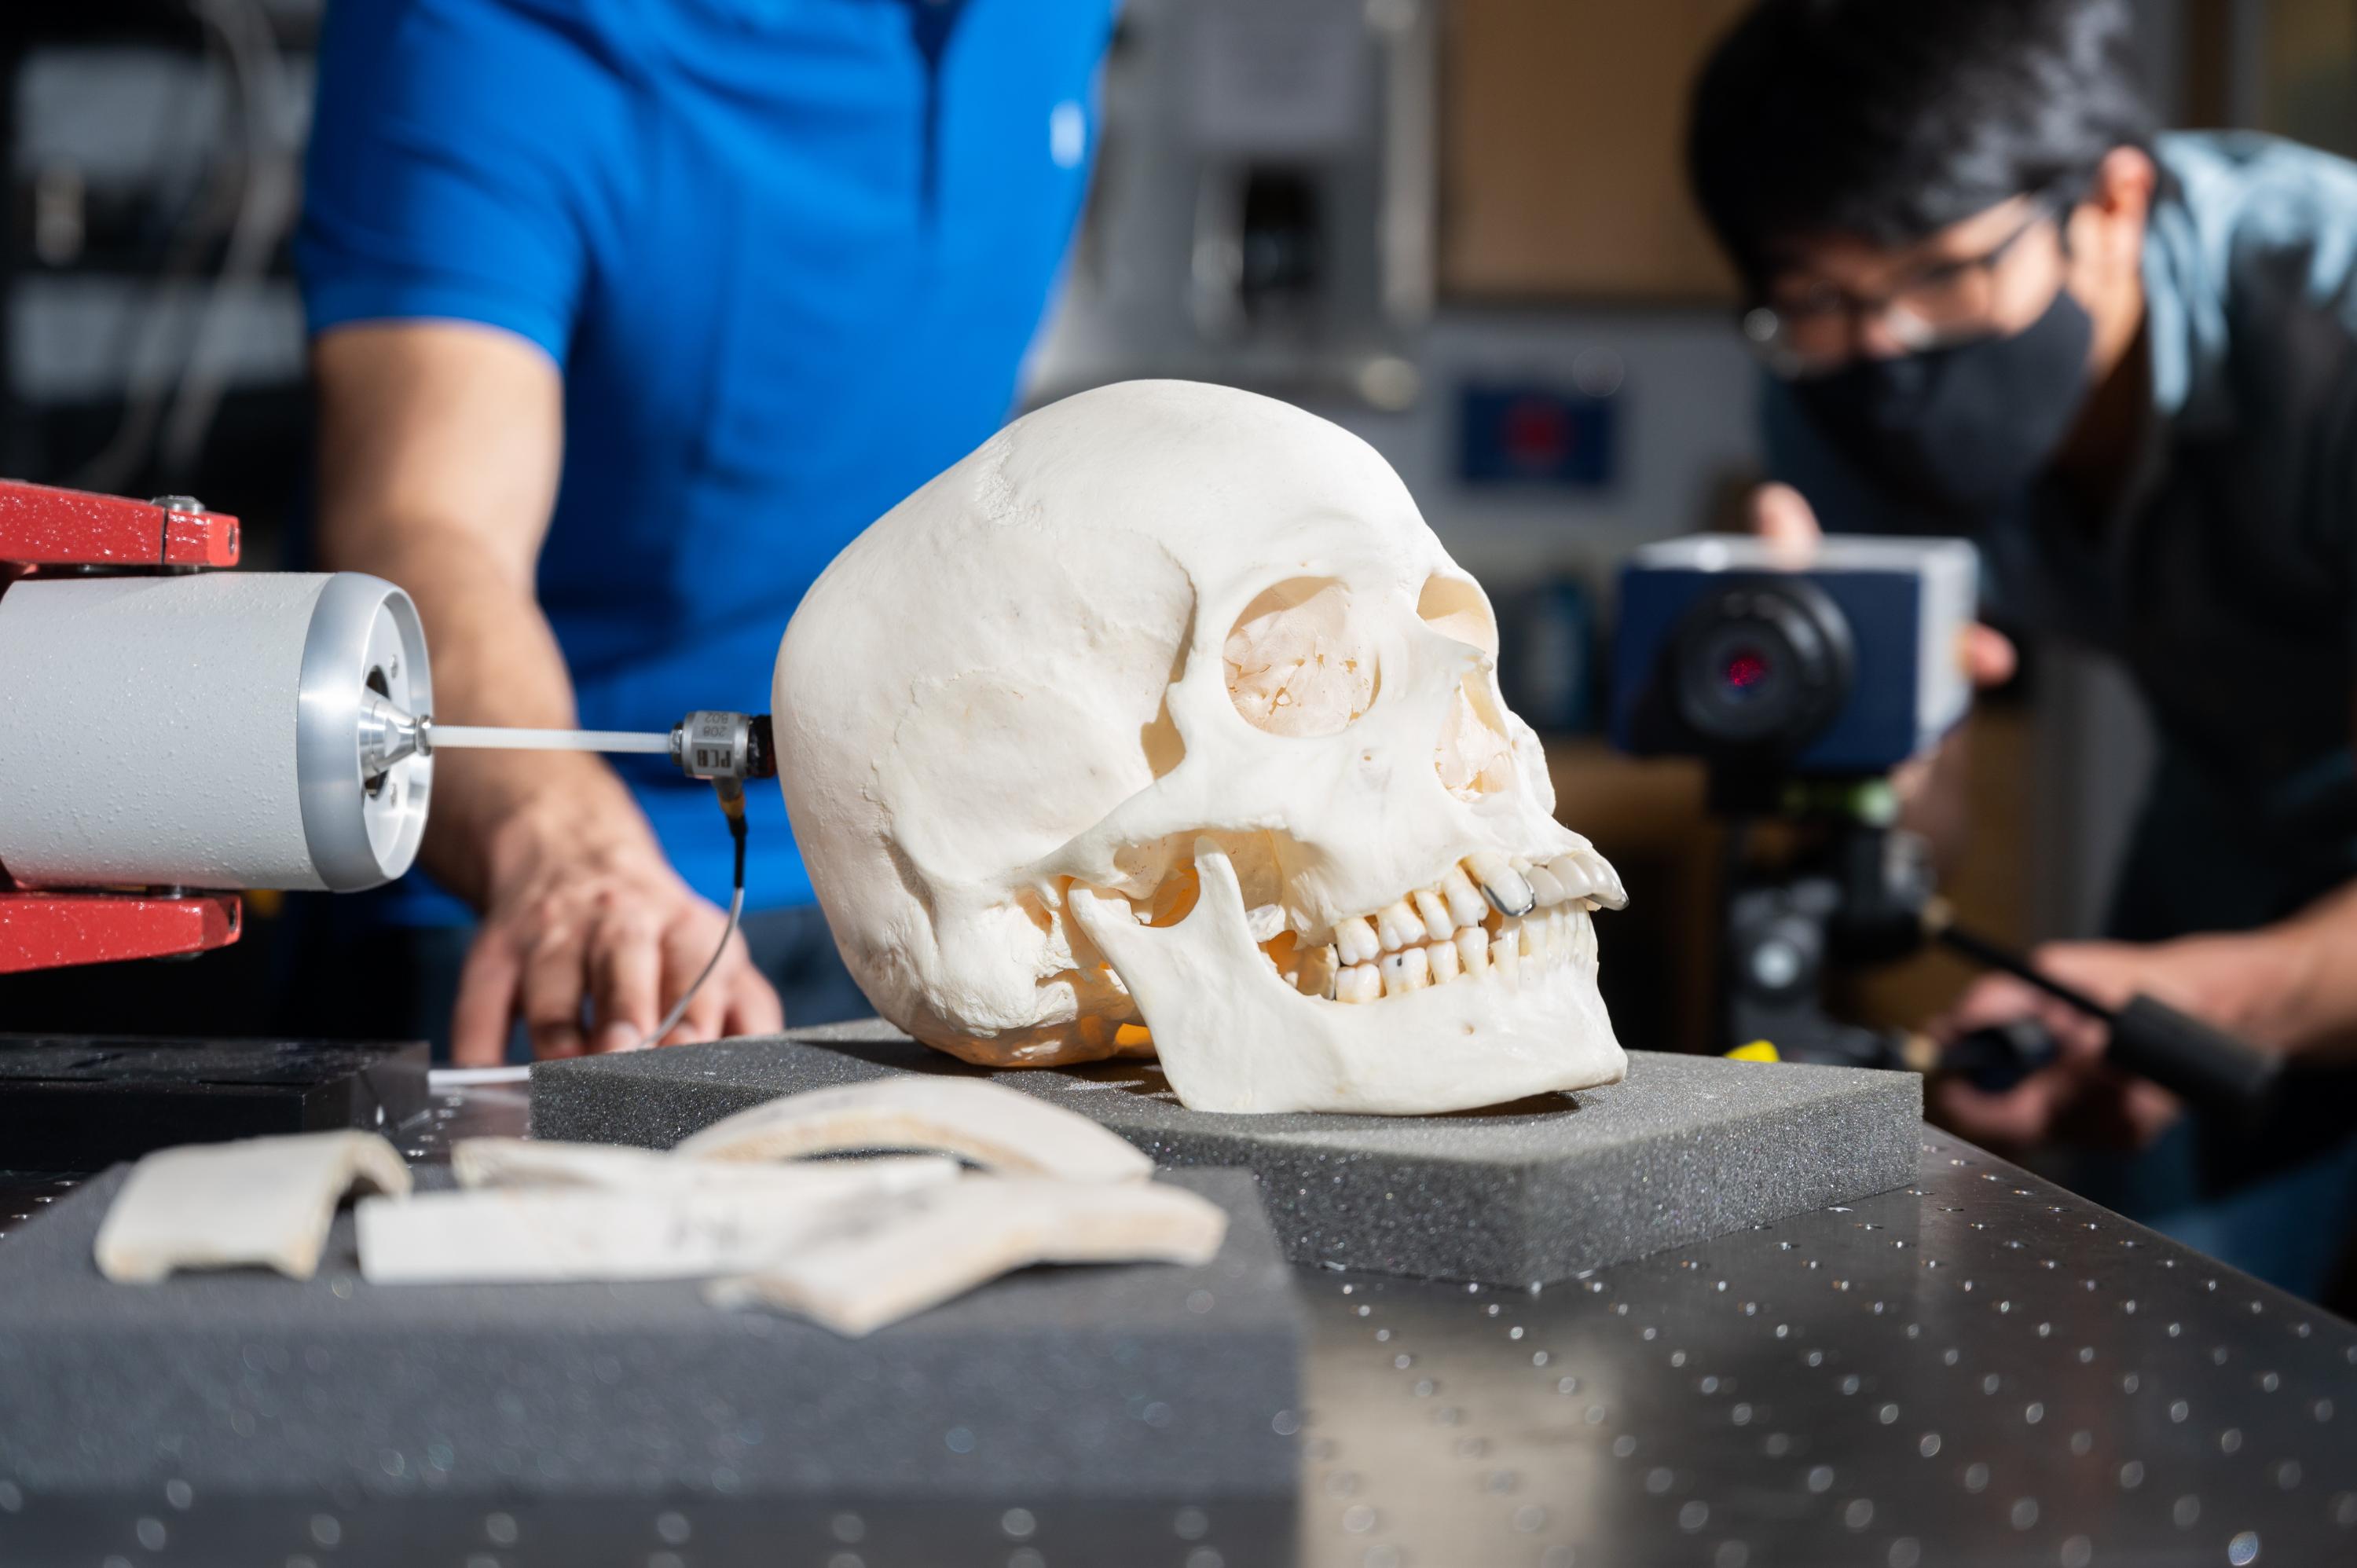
[(1298, 664), (1454, 607)]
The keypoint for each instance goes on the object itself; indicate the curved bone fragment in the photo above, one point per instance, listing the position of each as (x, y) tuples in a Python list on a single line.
[(532, 1163), (1000, 1128), (551, 1235), (916, 1251), (265, 1201)]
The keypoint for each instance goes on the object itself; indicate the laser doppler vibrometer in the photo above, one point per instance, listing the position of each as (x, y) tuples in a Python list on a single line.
[(1838, 663), (1802, 677)]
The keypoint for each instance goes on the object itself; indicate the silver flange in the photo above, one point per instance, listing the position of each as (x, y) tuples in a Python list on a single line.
[(364, 664)]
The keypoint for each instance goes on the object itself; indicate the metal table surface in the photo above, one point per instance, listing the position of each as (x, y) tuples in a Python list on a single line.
[(1979, 1368)]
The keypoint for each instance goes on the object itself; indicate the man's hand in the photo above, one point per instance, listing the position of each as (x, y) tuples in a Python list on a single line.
[(2238, 983), (1782, 515), (573, 913), (2076, 1096)]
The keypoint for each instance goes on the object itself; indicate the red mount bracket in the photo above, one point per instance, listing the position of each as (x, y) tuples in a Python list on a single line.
[(53, 930), (43, 529)]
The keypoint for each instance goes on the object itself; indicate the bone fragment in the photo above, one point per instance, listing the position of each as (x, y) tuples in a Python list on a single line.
[(929, 1246), (258, 1201), (998, 1128), (533, 1162), (549, 1235)]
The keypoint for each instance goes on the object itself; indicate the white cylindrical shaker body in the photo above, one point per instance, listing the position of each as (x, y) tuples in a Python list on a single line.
[(203, 731)]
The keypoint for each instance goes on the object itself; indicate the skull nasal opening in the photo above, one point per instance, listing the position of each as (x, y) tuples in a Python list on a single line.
[(1299, 663), (1474, 755)]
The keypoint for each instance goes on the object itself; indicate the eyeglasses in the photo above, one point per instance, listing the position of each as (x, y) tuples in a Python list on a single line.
[(1942, 303)]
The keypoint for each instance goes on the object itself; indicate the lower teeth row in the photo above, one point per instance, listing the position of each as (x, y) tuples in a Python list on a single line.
[(1544, 939)]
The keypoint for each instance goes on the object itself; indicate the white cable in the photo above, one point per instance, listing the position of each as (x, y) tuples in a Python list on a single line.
[(679, 1009), (439, 1079), (495, 737)]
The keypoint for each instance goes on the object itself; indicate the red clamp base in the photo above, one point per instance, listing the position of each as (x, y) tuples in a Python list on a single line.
[(43, 527), (53, 930)]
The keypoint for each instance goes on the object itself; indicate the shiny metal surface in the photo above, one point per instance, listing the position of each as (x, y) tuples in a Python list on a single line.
[(24, 1194), (1977, 1368), (362, 819)]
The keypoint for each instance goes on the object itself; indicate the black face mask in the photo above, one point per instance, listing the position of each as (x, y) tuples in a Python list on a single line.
[(1965, 428)]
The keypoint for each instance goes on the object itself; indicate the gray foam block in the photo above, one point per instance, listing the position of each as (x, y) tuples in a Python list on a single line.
[(1687, 1148), (1151, 1382)]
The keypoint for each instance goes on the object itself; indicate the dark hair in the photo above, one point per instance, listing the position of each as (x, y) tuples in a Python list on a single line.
[(1892, 119)]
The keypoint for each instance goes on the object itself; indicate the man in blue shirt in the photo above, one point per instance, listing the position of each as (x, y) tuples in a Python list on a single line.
[(1995, 303), (626, 317)]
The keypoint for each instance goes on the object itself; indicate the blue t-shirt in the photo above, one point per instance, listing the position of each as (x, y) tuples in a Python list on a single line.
[(788, 255)]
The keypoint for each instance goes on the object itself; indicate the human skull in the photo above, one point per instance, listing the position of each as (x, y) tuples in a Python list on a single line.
[(1163, 725)]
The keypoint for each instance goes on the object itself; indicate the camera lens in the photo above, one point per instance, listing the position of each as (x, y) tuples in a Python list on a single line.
[(1761, 666)]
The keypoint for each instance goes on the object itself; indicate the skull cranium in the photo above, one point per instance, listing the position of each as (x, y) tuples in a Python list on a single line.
[(1163, 722)]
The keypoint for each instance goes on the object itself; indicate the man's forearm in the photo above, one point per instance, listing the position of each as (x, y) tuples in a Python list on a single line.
[(2299, 994)]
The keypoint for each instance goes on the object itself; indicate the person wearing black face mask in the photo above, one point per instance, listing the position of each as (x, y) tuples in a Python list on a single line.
[(1970, 414), (1995, 301)]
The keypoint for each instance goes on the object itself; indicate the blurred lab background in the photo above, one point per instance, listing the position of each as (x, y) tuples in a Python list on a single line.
[(1458, 227)]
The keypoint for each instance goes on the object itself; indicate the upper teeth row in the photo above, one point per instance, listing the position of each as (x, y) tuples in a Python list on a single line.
[(1547, 938), (1512, 888)]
